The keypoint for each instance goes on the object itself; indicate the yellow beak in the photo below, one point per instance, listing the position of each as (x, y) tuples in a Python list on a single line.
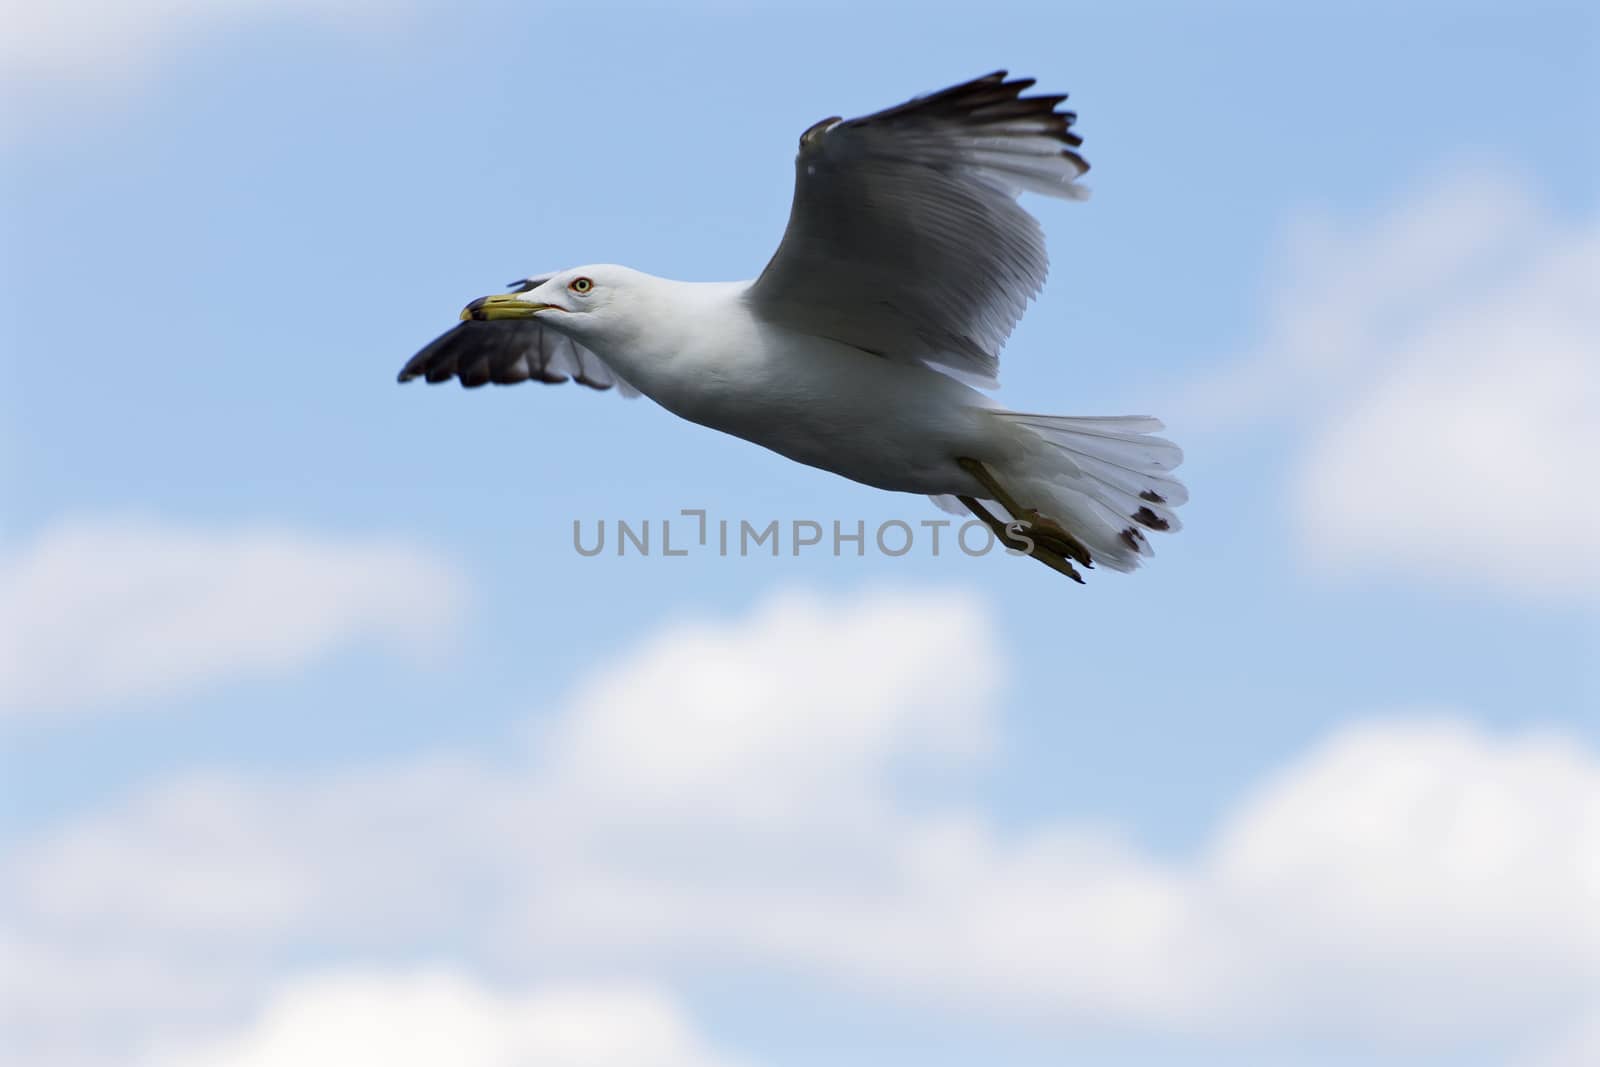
[(501, 306)]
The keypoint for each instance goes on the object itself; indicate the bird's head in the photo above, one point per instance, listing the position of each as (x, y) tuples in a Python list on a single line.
[(580, 301)]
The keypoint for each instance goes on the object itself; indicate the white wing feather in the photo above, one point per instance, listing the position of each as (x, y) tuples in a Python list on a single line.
[(905, 238)]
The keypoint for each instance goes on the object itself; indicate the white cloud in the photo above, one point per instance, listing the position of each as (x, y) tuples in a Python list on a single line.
[(801, 704), (732, 797), (426, 1018), (1420, 876), (94, 46), (110, 614), (1445, 358), (1575, 1046)]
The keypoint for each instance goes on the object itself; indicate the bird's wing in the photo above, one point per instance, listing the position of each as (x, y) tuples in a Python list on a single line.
[(905, 238), (508, 351)]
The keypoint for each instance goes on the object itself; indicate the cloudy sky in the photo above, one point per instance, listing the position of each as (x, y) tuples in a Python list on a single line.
[(323, 746)]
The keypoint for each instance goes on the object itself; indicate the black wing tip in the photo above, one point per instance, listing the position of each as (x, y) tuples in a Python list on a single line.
[(1001, 80), (995, 97), (416, 367), (994, 77), (477, 353)]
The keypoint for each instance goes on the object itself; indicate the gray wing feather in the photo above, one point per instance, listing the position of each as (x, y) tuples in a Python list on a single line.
[(505, 352), (905, 238)]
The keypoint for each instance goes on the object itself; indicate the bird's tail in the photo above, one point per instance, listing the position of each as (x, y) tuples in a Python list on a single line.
[(1106, 480)]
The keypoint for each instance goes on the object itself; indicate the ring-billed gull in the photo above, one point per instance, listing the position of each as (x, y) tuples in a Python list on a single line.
[(906, 263)]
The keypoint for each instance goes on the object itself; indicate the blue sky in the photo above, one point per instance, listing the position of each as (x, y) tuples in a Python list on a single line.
[(227, 230)]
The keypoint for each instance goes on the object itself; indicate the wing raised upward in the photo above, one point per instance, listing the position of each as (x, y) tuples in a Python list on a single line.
[(905, 238)]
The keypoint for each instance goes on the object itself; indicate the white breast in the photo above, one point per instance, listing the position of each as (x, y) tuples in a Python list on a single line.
[(709, 359)]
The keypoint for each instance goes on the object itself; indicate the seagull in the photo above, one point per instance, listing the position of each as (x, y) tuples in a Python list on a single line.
[(863, 345)]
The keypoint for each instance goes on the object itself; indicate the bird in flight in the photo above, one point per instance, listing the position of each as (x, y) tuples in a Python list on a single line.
[(863, 344)]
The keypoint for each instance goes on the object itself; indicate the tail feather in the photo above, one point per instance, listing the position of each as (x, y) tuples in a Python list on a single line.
[(1126, 441), (1106, 479)]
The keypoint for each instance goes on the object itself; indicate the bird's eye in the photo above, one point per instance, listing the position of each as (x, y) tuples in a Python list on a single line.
[(580, 285)]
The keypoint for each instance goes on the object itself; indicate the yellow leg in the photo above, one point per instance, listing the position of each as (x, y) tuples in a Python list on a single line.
[(1050, 558), (1043, 530)]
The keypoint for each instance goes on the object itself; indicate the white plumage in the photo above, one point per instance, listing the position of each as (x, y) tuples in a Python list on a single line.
[(905, 265)]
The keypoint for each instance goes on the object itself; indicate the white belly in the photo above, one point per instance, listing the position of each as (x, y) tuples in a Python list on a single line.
[(890, 425)]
